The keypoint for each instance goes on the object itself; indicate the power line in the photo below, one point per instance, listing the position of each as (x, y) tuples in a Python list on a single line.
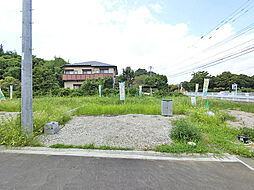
[(237, 46), (232, 17), (243, 9), (228, 39), (218, 61)]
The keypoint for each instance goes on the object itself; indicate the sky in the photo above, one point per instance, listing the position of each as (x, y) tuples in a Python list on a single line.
[(164, 34)]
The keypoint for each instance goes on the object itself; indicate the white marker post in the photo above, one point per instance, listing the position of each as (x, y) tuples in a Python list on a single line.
[(11, 91)]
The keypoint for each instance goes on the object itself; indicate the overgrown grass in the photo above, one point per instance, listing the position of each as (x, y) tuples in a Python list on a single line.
[(216, 136), (225, 104), (90, 146)]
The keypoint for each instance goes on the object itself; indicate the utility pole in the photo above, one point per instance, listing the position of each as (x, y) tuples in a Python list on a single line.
[(26, 69)]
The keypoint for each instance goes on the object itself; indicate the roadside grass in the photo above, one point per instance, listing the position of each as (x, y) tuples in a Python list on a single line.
[(225, 104), (216, 136), (90, 146)]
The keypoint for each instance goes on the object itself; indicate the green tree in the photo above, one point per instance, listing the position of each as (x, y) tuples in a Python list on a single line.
[(44, 81), (90, 87), (140, 72), (5, 84), (107, 82), (128, 75)]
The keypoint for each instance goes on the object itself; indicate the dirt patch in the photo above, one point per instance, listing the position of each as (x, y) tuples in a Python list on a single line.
[(134, 130), (244, 119)]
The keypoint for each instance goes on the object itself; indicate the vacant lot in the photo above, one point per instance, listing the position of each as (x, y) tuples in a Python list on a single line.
[(216, 135), (135, 131)]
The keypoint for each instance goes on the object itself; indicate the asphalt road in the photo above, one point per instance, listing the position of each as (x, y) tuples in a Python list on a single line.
[(22, 171)]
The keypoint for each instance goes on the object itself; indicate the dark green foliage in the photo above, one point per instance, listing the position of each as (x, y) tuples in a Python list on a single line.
[(47, 75), (64, 92), (140, 72), (107, 82), (109, 92), (76, 92), (90, 87), (133, 91), (159, 81), (222, 82), (184, 130), (247, 132)]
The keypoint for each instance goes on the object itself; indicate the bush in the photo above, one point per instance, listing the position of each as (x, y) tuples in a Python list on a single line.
[(77, 92), (133, 91), (184, 130), (109, 92), (64, 92)]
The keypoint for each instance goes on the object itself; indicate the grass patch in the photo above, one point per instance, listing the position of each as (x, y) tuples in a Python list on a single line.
[(183, 147), (216, 136), (89, 146), (185, 131)]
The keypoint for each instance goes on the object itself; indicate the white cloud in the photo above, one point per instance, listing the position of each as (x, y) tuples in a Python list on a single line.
[(111, 32), (156, 7)]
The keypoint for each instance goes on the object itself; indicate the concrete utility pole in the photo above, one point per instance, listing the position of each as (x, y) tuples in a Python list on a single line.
[(26, 69)]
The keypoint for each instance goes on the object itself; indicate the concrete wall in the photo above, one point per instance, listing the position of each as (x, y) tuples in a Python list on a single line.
[(69, 84)]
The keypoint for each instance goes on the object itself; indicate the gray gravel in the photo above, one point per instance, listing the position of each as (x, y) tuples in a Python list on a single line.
[(5, 116), (244, 119), (134, 130)]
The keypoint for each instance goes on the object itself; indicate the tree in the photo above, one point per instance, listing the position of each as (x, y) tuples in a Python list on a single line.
[(160, 81), (44, 81), (128, 75), (5, 83), (107, 82), (90, 87), (140, 72), (139, 80), (225, 80)]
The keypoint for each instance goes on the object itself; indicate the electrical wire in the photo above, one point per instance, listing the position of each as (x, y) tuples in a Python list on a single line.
[(217, 61)]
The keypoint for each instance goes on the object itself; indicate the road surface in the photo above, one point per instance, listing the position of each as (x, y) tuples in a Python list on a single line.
[(30, 171)]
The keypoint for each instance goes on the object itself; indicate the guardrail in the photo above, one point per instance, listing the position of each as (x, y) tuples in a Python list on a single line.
[(243, 97)]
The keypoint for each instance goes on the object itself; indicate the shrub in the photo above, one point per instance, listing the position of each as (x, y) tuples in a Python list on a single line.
[(109, 92), (133, 91), (77, 92), (64, 92), (184, 130)]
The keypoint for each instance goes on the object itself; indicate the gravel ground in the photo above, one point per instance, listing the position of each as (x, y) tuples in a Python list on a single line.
[(4, 116), (133, 130), (244, 119)]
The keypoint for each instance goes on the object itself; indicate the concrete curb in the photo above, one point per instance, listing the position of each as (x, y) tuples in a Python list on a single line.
[(141, 155)]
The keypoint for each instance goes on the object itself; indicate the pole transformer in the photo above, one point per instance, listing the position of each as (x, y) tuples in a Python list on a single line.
[(26, 69)]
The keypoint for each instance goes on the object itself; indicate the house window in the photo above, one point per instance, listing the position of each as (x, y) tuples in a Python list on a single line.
[(87, 71), (70, 72), (76, 86), (104, 70)]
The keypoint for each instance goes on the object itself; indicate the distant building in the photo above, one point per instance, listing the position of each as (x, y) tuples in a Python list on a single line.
[(75, 74)]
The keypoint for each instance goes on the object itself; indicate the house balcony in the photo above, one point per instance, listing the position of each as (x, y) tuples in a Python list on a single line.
[(82, 77)]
